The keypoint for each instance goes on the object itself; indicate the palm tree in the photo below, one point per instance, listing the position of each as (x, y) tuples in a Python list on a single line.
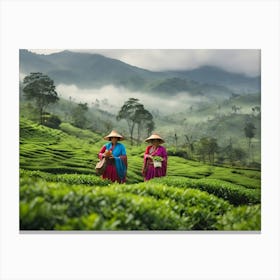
[(249, 130), (190, 143)]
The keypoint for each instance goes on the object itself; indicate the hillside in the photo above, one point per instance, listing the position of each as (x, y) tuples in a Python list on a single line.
[(73, 150), (203, 119), (59, 189)]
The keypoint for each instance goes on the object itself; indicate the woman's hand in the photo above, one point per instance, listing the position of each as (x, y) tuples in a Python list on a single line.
[(108, 154)]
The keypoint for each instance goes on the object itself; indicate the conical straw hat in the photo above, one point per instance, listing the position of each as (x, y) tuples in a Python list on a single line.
[(154, 136), (114, 133)]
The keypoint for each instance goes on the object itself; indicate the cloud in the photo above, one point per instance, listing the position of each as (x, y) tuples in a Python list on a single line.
[(245, 61), (115, 97)]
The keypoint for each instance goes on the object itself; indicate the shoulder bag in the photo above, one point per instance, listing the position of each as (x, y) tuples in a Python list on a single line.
[(100, 166)]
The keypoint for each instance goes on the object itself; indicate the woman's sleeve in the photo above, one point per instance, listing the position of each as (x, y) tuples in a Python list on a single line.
[(164, 164), (101, 152), (146, 153), (144, 168), (164, 154), (123, 156), (123, 151)]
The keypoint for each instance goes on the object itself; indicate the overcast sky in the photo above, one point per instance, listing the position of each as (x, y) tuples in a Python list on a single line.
[(239, 61)]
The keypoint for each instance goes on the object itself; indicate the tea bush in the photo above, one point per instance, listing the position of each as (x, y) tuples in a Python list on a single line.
[(235, 194), (145, 206), (241, 218)]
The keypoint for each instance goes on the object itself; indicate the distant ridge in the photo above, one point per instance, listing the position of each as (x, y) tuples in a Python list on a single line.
[(87, 70)]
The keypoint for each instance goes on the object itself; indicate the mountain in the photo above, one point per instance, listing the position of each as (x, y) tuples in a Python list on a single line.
[(87, 70), (171, 86), (214, 75)]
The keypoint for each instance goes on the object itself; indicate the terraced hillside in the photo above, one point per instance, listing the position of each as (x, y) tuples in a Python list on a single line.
[(59, 189)]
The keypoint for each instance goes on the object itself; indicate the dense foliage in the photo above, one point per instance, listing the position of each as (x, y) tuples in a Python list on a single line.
[(143, 206), (41, 89)]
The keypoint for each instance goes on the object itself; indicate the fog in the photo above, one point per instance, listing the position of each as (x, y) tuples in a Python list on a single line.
[(111, 98), (245, 61)]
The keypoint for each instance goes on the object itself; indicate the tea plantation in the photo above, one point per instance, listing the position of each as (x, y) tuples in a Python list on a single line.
[(59, 189)]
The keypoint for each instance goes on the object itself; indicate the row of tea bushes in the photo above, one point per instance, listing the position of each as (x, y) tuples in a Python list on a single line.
[(235, 194), (145, 206), (71, 179), (74, 151)]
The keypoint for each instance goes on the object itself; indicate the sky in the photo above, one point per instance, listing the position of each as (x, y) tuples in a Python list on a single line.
[(245, 61)]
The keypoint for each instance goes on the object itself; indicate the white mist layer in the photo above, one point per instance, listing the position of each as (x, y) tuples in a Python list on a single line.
[(112, 98)]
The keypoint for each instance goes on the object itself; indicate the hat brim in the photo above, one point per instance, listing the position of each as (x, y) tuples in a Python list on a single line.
[(108, 137), (113, 133), (150, 139)]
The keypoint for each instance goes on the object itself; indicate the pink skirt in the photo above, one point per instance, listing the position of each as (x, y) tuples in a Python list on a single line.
[(153, 172), (111, 174)]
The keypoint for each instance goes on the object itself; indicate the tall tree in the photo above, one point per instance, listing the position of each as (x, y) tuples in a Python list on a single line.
[(249, 130), (144, 119), (41, 89), (212, 149), (149, 126), (190, 144), (202, 148), (129, 112)]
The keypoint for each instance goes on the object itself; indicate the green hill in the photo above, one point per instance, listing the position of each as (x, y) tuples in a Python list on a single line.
[(59, 189)]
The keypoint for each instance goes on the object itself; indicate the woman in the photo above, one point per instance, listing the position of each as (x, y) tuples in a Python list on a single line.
[(116, 159), (155, 158)]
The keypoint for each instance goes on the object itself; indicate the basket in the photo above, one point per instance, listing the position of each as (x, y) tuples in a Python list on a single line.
[(157, 164)]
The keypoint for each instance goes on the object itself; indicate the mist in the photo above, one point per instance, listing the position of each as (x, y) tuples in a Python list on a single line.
[(111, 98), (245, 61)]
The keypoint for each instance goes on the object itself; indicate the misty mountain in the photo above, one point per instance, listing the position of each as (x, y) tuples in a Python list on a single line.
[(86, 70), (239, 83), (95, 71), (172, 86)]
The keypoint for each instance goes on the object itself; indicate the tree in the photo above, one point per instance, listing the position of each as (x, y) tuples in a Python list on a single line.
[(202, 148), (256, 109), (149, 126), (78, 115), (190, 144), (219, 110), (235, 108), (239, 154), (52, 121), (41, 89), (208, 147), (232, 154), (108, 125), (212, 149), (249, 130), (176, 139), (130, 112), (144, 119)]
